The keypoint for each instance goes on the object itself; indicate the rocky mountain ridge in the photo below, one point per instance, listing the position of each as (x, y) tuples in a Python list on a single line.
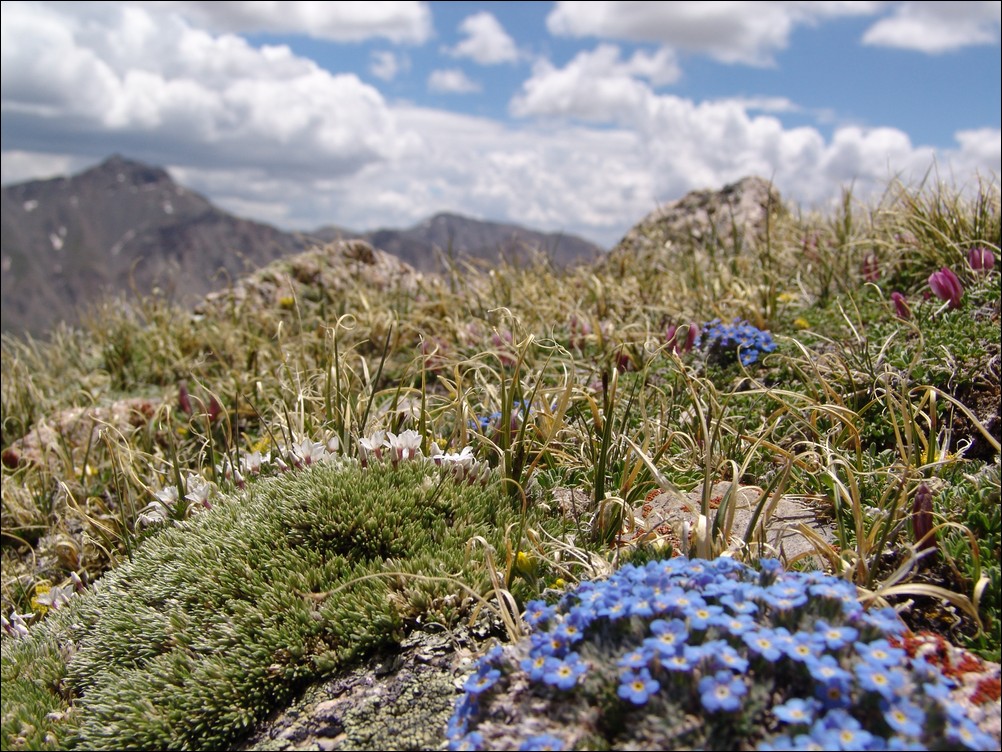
[(127, 227), (121, 226), (448, 237)]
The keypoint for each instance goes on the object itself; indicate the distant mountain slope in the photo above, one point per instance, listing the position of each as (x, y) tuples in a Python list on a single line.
[(118, 226), (423, 245), (123, 226)]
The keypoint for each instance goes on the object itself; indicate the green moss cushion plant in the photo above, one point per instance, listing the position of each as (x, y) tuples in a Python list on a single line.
[(220, 619)]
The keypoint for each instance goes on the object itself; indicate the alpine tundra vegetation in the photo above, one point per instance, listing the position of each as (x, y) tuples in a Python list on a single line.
[(713, 490)]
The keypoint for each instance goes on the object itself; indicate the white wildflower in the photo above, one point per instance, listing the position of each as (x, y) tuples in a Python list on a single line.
[(17, 626), (373, 445), (153, 513), (406, 446), (307, 451), (464, 465), (167, 496), (464, 458), (251, 463), (199, 491)]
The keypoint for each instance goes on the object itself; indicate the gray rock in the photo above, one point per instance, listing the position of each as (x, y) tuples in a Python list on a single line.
[(331, 270), (737, 213), (397, 700)]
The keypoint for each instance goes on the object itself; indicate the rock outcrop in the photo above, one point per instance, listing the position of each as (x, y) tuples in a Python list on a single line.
[(323, 270), (398, 699), (743, 210)]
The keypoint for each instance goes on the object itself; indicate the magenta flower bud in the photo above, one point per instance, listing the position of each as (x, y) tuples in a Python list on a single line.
[(183, 399), (671, 335), (922, 520), (871, 267), (901, 306), (981, 259), (946, 286), (624, 362)]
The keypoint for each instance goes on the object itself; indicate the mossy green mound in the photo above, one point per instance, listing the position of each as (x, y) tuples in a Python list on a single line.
[(216, 622)]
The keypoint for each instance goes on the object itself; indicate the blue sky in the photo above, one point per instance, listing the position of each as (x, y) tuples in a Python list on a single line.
[(568, 116)]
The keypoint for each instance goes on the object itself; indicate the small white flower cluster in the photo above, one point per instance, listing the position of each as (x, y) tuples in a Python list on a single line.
[(300, 454), (407, 446), (250, 464), (306, 452), (403, 446), (166, 501), (57, 596), (464, 465), (54, 598), (379, 446)]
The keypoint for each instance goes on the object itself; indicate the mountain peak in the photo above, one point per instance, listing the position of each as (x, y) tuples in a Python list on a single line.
[(123, 170), (121, 225)]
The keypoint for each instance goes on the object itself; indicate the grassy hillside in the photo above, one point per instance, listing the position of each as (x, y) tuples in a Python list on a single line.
[(848, 361)]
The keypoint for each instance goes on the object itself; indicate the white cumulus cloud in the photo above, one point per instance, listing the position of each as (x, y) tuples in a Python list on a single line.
[(21, 166), (980, 150), (595, 85), (937, 27), (271, 135), (337, 21), (585, 181), (451, 81), (731, 32), (122, 75), (683, 145), (387, 65), (486, 41)]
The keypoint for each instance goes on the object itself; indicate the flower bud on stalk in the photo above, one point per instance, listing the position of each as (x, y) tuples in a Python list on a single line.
[(981, 259), (946, 286), (901, 306), (922, 522)]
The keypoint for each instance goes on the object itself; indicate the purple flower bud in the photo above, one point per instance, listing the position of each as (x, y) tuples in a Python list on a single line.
[(922, 518), (624, 362), (215, 410), (871, 267), (946, 286), (183, 400), (981, 259), (692, 332), (901, 306)]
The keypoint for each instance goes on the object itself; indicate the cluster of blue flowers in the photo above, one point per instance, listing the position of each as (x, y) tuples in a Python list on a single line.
[(748, 340), (795, 652), (492, 422)]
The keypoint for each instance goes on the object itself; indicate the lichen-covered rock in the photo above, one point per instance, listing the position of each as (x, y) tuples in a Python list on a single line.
[(739, 211), (79, 428), (326, 270), (399, 699)]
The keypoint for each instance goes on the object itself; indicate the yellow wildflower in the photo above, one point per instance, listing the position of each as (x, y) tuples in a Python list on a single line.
[(38, 604)]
